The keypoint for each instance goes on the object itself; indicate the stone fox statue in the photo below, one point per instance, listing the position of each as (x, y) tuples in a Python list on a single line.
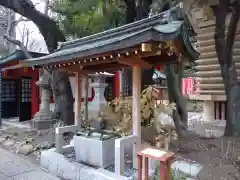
[(63, 97)]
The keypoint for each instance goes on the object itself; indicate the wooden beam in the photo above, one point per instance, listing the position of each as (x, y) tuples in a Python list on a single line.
[(135, 61), (104, 67), (83, 67)]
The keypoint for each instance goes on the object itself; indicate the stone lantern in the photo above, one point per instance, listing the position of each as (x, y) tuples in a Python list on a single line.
[(43, 118), (99, 100)]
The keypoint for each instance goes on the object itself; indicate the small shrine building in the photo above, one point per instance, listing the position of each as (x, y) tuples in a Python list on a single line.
[(19, 92), (156, 40)]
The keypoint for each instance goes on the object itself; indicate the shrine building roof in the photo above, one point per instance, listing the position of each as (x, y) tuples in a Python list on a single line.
[(125, 39), (18, 55)]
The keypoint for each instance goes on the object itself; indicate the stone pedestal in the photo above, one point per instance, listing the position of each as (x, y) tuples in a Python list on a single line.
[(99, 100), (42, 119), (208, 111)]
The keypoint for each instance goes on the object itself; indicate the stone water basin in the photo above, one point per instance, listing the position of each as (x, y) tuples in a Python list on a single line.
[(94, 151)]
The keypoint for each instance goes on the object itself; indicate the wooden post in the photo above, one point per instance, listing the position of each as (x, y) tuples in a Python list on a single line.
[(116, 84), (78, 99), (86, 87), (120, 82), (222, 110), (136, 118)]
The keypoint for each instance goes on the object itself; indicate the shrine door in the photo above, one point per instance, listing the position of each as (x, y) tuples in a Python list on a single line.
[(9, 98), (25, 99)]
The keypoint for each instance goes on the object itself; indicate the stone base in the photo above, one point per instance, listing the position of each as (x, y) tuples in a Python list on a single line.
[(45, 124), (208, 111), (94, 151), (57, 164), (42, 120)]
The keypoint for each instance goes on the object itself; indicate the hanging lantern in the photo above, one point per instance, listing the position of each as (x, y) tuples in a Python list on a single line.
[(25, 69)]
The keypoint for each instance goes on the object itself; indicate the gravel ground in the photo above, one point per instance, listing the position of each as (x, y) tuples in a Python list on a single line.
[(218, 155)]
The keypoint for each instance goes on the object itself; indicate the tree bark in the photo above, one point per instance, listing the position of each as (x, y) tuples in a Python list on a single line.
[(224, 47), (130, 11), (180, 116), (63, 97)]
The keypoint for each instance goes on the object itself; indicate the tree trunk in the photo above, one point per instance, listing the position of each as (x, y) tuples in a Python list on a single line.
[(224, 47), (60, 83), (180, 116), (63, 96)]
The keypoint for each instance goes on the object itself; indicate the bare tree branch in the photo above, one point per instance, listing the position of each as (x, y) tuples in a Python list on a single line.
[(20, 44), (21, 19), (47, 27)]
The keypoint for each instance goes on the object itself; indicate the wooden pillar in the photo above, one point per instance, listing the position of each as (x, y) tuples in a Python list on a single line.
[(78, 98), (223, 111), (86, 87), (136, 118), (217, 109), (116, 84), (120, 82)]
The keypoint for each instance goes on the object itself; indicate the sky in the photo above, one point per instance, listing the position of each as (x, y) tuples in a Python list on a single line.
[(36, 41)]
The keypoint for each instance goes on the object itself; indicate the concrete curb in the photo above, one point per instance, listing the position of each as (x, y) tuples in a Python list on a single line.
[(60, 166)]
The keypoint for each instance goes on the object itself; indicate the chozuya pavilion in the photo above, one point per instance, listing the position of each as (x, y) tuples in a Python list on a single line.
[(160, 39)]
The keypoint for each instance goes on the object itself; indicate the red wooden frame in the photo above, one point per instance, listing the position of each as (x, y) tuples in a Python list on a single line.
[(26, 72), (165, 159)]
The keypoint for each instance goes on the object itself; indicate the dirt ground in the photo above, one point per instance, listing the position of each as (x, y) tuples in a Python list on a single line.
[(43, 140), (219, 157)]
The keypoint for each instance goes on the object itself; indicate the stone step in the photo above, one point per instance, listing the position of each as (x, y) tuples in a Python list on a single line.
[(211, 86), (209, 42), (236, 58), (210, 55), (211, 67), (205, 24), (210, 23), (209, 79), (215, 73), (206, 42), (213, 80), (204, 49), (208, 26), (212, 92), (211, 48), (207, 61), (206, 29), (205, 36)]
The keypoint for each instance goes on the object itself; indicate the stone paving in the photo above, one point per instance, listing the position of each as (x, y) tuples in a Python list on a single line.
[(13, 167)]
